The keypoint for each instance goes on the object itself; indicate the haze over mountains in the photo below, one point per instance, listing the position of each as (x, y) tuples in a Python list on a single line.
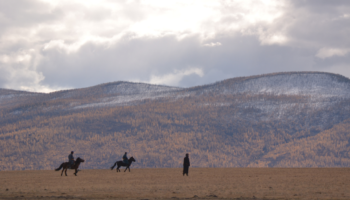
[(295, 119)]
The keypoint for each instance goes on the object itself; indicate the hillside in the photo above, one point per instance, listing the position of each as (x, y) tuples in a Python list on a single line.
[(330, 148), (275, 120)]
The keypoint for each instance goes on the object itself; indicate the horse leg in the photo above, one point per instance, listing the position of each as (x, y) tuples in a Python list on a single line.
[(118, 168), (66, 171), (76, 171), (129, 168), (62, 171), (126, 168)]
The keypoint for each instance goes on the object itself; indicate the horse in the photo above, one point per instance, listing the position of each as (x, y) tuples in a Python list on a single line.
[(121, 163), (65, 166)]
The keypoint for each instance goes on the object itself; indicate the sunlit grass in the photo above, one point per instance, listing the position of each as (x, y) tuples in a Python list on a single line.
[(270, 183)]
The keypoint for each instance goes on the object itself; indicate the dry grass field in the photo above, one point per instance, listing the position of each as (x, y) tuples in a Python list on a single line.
[(202, 183)]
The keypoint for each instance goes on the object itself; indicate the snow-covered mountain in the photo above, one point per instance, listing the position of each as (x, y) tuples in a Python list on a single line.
[(125, 93), (10, 94), (244, 121), (318, 84)]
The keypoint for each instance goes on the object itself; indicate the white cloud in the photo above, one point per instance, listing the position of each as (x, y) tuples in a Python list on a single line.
[(108, 21), (66, 26), (267, 39), (48, 44), (22, 74), (212, 44), (330, 52), (175, 77)]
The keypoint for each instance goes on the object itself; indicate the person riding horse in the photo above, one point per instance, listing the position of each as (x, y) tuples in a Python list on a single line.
[(125, 158), (66, 165), (122, 164), (71, 159)]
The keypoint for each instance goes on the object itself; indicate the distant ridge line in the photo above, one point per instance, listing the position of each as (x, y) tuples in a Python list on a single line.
[(339, 77), (245, 78)]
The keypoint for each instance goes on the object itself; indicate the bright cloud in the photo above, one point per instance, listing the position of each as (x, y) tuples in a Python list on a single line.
[(330, 52), (175, 77), (47, 45), (212, 44)]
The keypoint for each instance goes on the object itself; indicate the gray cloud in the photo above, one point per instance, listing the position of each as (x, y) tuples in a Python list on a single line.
[(139, 59), (46, 47)]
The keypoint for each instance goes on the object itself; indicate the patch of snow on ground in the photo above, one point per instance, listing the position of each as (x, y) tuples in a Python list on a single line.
[(123, 100), (126, 88)]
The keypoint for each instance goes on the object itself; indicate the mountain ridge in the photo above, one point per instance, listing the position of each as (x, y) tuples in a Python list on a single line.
[(239, 122), (230, 80)]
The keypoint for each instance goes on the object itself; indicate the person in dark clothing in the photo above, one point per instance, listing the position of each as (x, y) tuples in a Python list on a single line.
[(71, 159), (125, 158), (186, 165)]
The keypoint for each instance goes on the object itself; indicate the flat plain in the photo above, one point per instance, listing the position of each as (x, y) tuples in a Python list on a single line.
[(168, 183)]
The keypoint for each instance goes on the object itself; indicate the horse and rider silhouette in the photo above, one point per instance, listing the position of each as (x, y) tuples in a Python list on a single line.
[(124, 163), (75, 164), (66, 165), (71, 164)]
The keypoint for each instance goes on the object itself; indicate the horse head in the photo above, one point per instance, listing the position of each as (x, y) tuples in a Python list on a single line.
[(80, 160), (132, 159)]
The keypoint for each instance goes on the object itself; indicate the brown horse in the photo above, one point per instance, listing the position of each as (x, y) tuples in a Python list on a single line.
[(121, 163), (65, 166)]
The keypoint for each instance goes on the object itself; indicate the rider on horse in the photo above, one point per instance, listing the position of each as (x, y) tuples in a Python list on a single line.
[(125, 158), (71, 159)]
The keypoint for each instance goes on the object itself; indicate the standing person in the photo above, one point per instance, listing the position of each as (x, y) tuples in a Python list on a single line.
[(125, 158), (186, 165), (71, 159)]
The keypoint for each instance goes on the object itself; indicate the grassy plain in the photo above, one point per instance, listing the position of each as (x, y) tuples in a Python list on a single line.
[(168, 183)]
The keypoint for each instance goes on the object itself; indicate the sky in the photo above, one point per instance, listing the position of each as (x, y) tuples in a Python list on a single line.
[(50, 45)]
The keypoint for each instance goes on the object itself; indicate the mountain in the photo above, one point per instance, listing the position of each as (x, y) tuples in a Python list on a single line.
[(294, 119)]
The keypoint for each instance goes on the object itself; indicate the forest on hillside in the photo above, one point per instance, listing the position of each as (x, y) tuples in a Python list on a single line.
[(216, 130)]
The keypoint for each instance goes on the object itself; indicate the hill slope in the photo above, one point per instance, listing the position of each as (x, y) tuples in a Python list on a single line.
[(239, 122)]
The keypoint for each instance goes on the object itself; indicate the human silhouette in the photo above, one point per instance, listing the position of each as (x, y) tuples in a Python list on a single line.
[(125, 158), (71, 159), (186, 165)]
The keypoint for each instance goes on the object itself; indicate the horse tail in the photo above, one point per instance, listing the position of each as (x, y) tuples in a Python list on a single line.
[(114, 165), (59, 167)]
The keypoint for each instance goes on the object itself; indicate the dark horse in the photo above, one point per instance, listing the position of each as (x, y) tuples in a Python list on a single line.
[(65, 166), (121, 163)]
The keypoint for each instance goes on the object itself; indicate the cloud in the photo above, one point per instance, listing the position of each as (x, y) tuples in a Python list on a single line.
[(49, 45), (212, 44), (176, 77), (330, 52)]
